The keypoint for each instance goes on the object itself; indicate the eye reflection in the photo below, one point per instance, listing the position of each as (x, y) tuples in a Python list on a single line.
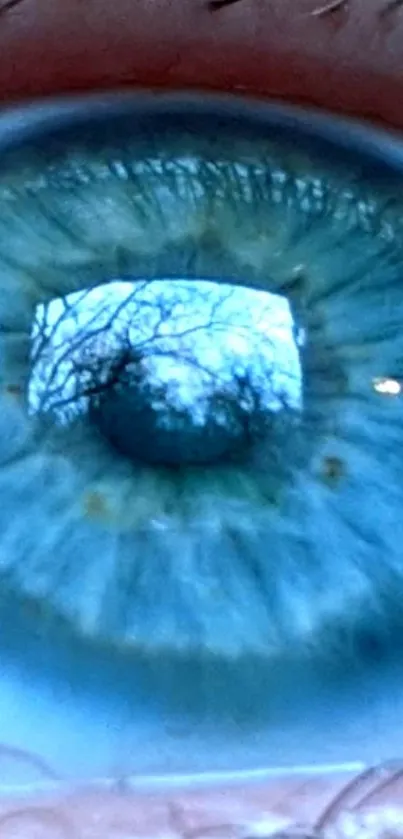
[(170, 373)]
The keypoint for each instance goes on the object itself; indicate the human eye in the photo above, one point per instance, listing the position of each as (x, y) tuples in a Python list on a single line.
[(194, 697)]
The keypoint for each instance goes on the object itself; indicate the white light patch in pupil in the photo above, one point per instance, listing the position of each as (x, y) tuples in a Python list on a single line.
[(196, 346)]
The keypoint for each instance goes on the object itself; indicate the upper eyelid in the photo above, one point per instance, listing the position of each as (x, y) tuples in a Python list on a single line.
[(179, 58)]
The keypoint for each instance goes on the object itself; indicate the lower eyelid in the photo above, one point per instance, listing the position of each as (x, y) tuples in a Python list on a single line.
[(275, 808), (228, 804)]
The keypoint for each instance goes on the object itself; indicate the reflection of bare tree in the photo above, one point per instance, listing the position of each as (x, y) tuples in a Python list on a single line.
[(144, 366), (146, 419)]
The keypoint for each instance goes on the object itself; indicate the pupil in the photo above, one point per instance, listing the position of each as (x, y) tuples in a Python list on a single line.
[(170, 373)]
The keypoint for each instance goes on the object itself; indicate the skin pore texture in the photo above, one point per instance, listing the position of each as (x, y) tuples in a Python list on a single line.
[(346, 57)]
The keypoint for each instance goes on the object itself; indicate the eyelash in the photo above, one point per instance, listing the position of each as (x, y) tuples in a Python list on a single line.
[(326, 10), (8, 5)]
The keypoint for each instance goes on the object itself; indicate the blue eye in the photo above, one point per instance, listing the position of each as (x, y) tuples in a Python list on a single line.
[(202, 522)]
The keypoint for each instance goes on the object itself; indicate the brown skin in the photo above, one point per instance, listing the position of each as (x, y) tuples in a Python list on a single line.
[(345, 56)]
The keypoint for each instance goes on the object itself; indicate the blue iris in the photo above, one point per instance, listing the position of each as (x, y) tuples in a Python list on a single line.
[(251, 531)]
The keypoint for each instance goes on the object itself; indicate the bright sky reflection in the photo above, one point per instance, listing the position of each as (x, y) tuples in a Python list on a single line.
[(190, 329)]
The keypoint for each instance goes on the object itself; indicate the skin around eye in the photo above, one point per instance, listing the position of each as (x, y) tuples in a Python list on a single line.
[(348, 60)]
